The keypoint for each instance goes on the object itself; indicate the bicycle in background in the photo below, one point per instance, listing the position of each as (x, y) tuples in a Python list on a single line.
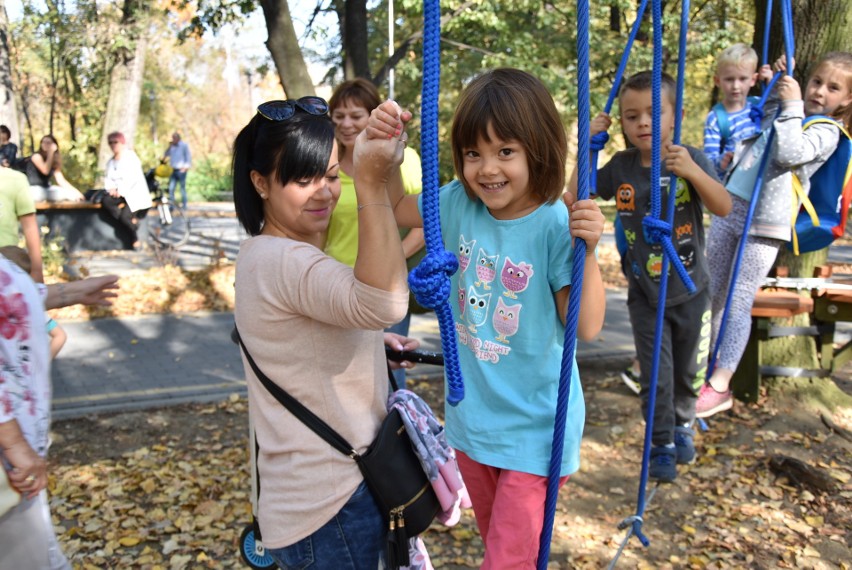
[(170, 227)]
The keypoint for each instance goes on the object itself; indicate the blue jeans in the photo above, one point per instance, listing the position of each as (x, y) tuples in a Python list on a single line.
[(354, 539), (177, 177)]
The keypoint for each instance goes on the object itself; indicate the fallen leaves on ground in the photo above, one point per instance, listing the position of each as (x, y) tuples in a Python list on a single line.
[(166, 289), (171, 489)]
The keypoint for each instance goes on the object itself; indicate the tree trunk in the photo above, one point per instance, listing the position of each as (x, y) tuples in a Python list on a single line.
[(283, 45), (8, 107), (354, 34), (818, 28), (125, 89)]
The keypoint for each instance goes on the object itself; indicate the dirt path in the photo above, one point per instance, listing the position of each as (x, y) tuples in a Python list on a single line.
[(170, 489)]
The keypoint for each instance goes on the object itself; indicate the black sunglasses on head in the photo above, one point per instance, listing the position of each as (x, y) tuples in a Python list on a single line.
[(283, 110)]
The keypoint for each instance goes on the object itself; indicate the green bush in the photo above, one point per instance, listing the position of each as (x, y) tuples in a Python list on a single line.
[(210, 179)]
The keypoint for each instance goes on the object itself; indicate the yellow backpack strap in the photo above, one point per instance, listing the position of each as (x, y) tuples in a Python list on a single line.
[(799, 195)]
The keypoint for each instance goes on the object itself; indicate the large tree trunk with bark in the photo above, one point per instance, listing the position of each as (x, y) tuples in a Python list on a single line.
[(125, 90), (283, 45), (8, 107), (819, 26)]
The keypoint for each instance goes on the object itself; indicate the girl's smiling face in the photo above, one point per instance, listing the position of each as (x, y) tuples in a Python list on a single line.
[(828, 88), (498, 173)]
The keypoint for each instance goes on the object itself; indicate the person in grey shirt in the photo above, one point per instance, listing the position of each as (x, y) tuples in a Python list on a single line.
[(180, 159)]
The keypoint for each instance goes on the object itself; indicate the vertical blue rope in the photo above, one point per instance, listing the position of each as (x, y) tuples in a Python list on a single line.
[(599, 140), (577, 267), (767, 22), (661, 298), (430, 280), (757, 114)]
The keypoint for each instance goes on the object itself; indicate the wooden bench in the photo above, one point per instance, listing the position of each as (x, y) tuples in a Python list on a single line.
[(85, 226), (826, 306)]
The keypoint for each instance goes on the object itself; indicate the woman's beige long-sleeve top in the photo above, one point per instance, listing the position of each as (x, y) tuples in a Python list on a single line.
[(317, 332)]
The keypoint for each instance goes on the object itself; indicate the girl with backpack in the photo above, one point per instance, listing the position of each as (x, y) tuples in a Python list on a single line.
[(794, 150)]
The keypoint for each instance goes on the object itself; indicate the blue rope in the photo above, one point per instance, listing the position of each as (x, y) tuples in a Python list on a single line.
[(786, 15), (577, 267), (767, 23), (430, 280), (599, 140)]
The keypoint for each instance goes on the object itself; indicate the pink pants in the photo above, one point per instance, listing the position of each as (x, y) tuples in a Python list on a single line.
[(509, 509)]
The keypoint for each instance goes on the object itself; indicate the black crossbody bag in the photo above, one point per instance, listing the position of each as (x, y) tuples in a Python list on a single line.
[(391, 469)]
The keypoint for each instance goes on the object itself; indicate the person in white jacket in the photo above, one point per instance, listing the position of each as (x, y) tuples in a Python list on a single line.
[(127, 189)]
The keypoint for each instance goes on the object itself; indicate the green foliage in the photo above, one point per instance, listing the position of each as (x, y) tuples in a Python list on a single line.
[(210, 179), (53, 255)]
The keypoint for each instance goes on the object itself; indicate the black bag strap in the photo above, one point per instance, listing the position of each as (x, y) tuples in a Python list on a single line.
[(295, 407)]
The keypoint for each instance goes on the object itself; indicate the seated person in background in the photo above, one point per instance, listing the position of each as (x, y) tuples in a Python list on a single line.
[(17, 207), (127, 189), (41, 166), (8, 149)]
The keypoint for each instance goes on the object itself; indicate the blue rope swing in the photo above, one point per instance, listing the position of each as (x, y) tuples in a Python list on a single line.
[(599, 140), (659, 230), (430, 280), (577, 267), (757, 117)]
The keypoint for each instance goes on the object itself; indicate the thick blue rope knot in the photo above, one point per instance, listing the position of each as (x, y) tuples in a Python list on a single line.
[(657, 230), (660, 231), (429, 281), (598, 141)]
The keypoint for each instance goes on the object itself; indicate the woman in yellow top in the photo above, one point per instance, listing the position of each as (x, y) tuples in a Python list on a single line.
[(350, 106)]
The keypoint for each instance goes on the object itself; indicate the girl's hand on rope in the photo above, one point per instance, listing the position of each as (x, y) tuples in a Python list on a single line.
[(585, 220), (600, 124), (399, 343), (387, 121), (789, 89), (679, 161), (781, 64), (378, 153), (765, 73)]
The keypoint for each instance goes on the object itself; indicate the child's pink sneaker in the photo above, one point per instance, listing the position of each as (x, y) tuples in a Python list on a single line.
[(712, 402)]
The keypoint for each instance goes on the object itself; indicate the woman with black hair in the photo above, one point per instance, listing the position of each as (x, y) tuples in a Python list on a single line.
[(314, 326)]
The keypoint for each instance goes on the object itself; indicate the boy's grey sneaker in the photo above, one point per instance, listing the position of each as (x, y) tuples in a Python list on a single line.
[(630, 380), (684, 448), (663, 466)]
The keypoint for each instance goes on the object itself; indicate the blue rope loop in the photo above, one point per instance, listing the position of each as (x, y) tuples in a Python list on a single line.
[(599, 141), (432, 281)]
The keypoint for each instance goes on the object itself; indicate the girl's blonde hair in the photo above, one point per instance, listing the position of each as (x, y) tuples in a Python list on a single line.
[(518, 107), (841, 60)]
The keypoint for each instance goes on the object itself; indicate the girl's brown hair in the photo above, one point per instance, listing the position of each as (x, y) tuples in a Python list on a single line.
[(519, 108), (841, 60)]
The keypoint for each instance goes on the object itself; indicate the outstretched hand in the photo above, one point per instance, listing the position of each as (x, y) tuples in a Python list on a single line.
[(379, 147)]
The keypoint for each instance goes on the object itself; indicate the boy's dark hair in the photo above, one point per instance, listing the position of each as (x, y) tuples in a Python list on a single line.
[(644, 81), (5, 130), (518, 107), (295, 149)]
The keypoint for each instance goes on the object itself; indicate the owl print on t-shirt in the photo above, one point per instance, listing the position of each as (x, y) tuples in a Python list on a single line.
[(487, 320)]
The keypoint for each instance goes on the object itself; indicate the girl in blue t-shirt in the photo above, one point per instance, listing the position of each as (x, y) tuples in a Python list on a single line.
[(513, 237)]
